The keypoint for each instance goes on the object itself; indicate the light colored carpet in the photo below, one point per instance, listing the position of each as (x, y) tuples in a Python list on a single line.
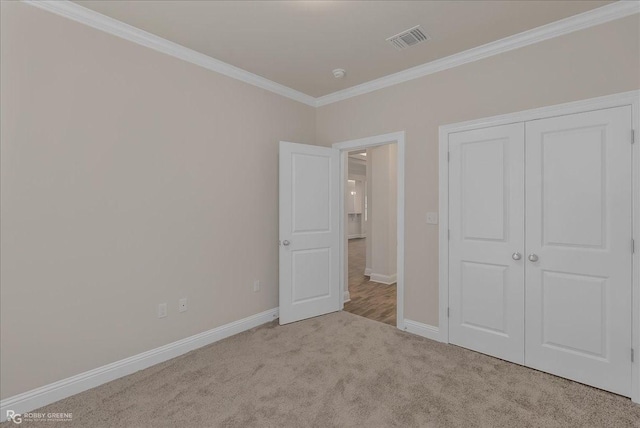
[(341, 370)]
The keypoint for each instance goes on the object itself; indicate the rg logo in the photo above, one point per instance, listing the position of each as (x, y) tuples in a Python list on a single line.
[(16, 418)]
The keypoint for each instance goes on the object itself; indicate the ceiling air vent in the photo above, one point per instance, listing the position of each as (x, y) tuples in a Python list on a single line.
[(408, 38)]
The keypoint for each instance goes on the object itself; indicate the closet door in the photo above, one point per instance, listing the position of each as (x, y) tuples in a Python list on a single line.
[(579, 258), (486, 209)]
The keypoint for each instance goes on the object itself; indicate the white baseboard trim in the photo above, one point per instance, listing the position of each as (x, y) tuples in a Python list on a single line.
[(424, 330), (357, 235), (367, 271), (64, 388), (346, 297), (383, 279)]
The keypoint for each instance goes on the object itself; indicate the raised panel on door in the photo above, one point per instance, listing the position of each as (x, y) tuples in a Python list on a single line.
[(486, 211), (309, 231), (578, 292)]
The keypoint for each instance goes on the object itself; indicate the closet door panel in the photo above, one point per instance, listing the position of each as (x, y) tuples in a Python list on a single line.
[(578, 235), (486, 289)]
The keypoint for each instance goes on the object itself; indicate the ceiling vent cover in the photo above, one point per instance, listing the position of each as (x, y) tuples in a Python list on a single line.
[(408, 38)]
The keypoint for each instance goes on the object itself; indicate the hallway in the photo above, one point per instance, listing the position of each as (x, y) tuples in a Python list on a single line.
[(368, 299)]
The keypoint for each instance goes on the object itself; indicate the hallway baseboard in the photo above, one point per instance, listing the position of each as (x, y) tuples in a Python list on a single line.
[(357, 236), (383, 279)]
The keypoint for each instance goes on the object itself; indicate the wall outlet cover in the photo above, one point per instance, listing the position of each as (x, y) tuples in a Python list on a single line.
[(162, 310)]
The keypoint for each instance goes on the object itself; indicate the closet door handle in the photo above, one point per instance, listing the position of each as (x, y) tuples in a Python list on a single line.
[(516, 256), (533, 257)]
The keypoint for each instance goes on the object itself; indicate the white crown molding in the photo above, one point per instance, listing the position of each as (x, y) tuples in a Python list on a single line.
[(64, 388), (89, 17), (601, 15)]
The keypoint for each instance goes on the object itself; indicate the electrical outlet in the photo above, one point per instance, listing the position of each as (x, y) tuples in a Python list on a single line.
[(182, 305), (162, 310), (256, 286)]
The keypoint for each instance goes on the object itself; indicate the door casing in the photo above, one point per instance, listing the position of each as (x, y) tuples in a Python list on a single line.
[(364, 143), (631, 98)]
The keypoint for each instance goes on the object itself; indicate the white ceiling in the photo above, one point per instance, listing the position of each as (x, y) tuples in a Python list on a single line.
[(299, 43)]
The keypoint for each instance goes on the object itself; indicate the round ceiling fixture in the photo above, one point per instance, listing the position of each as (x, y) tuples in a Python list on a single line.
[(339, 73)]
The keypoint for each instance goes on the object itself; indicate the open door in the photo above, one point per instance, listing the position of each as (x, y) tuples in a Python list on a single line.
[(309, 231)]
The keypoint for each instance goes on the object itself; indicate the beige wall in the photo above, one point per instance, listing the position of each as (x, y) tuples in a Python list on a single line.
[(129, 178), (384, 202), (593, 62)]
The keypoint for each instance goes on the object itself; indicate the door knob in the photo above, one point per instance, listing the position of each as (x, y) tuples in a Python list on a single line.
[(533, 257), (285, 243), (516, 256)]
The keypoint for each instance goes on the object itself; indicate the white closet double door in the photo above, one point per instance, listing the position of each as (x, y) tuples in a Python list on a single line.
[(540, 245)]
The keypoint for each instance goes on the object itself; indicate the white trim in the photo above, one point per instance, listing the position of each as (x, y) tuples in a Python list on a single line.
[(383, 279), (443, 234), (346, 297), (89, 17), (597, 16), (367, 271), (625, 98), (606, 101), (368, 142), (601, 15), (635, 332), (64, 388), (424, 330), (344, 243)]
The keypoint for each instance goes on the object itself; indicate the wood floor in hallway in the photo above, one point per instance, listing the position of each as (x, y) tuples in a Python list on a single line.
[(368, 299)]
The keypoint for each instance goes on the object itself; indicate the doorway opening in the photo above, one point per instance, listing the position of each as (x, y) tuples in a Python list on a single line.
[(372, 227), (370, 201)]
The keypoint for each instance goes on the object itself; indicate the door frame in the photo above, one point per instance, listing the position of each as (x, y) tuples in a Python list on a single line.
[(631, 98), (365, 143)]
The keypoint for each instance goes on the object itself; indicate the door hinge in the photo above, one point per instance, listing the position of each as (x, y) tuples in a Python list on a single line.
[(448, 233), (633, 136), (448, 156), (633, 246), (448, 312), (632, 355)]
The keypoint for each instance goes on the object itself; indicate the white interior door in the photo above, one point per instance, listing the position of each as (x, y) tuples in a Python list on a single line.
[(486, 246), (309, 231), (579, 219)]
